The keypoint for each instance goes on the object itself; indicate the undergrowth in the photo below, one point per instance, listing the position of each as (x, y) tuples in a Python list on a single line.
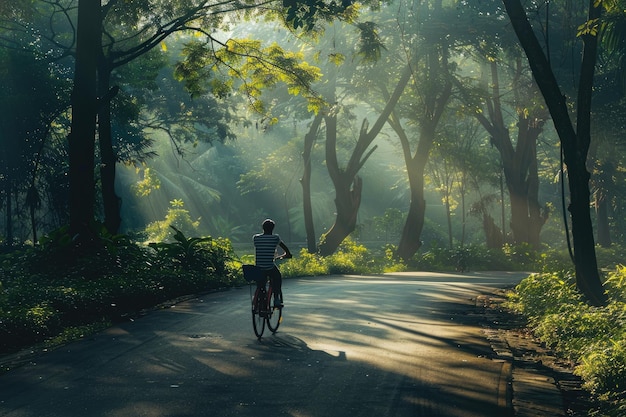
[(592, 338), (59, 290)]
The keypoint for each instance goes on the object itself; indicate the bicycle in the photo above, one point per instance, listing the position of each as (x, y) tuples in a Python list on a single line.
[(263, 311)]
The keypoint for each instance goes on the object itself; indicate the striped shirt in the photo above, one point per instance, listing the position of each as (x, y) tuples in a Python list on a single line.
[(265, 248)]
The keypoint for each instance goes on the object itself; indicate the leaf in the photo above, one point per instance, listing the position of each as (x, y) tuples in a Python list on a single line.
[(590, 27), (337, 58)]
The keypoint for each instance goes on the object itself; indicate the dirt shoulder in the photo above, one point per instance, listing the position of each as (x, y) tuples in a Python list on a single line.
[(542, 384)]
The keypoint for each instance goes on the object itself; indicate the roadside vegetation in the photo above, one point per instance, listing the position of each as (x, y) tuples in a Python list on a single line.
[(592, 339)]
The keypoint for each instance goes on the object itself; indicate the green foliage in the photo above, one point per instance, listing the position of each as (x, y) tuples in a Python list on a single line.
[(604, 370), (149, 183), (475, 257), (184, 251), (177, 218), (304, 265), (350, 258), (58, 286), (616, 284), (551, 259), (554, 260), (573, 328), (305, 14), (258, 68), (543, 294), (391, 262), (521, 255), (593, 338), (509, 258), (370, 43)]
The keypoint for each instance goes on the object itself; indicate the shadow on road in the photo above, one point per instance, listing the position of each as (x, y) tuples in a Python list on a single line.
[(396, 345)]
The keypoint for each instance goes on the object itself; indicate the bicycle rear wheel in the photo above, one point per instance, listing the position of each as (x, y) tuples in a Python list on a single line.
[(259, 311), (275, 315)]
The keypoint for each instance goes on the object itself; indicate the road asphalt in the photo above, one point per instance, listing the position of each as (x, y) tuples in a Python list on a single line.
[(404, 344)]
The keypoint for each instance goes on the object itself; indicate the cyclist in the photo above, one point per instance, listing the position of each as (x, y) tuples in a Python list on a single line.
[(265, 245)]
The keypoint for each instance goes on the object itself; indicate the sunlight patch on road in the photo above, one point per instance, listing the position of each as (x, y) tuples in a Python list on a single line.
[(218, 364)]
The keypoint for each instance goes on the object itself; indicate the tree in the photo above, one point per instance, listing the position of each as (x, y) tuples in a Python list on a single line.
[(121, 45), (82, 136), (33, 100), (264, 68), (606, 150), (172, 17), (348, 185), (434, 100), (519, 157), (574, 141), (305, 181), (454, 160)]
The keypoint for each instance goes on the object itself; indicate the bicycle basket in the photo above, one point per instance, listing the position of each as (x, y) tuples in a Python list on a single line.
[(252, 273)]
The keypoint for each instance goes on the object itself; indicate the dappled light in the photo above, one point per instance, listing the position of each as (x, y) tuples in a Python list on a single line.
[(369, 345), (142, 143)]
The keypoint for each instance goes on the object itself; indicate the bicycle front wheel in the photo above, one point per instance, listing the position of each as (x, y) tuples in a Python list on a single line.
[(275, 315), (259, 309)]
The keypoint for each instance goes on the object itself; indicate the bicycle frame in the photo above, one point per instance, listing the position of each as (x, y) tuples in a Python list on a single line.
[(263, 311)]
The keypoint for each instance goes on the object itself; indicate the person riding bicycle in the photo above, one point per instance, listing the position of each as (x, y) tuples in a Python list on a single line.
[(265, 245)]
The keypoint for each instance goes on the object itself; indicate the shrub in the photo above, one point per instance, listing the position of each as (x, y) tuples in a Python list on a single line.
[(304, 265), (476, 257), (594, 338), (559, 259), (391, 263), (554, 260), (540, 295), (570, 330), (616, 284), (521, 256), (59, 285), (177, 218), (603, 368), (350, 258)]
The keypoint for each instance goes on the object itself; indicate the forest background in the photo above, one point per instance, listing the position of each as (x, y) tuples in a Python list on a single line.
[(143, 143), (201, 122)]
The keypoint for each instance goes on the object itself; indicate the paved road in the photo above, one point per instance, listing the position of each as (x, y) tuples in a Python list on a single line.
[(392, 345)]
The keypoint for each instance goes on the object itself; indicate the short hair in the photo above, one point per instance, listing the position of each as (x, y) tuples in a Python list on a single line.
[(268, 225)]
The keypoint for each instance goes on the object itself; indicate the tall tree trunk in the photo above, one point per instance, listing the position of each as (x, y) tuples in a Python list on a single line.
[(9, 156), (522, 179), (519, 163), (305, 181), (463, 209), (33, 202), (449, 219), (436, 100), (604, 186), (347, 194), (575, 144), (602, 219), (537, 215), (110, 200), (494, 236), (410, 241), (83, 127), (8, 188), (348, 184)]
